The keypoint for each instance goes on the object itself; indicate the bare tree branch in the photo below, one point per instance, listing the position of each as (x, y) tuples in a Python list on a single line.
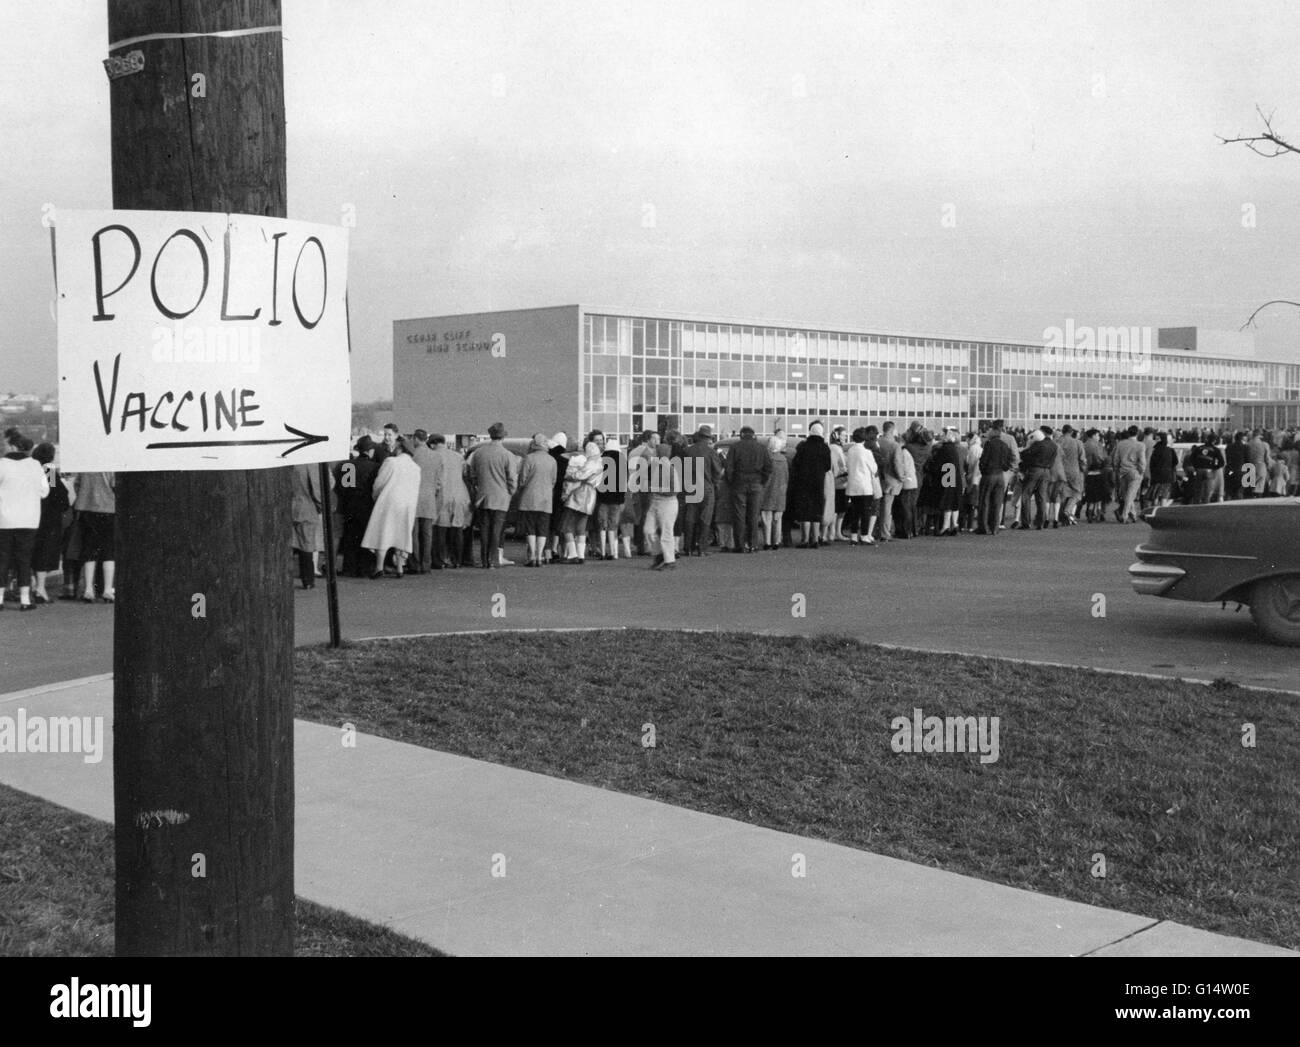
[(1250, 321), (1276, 144)]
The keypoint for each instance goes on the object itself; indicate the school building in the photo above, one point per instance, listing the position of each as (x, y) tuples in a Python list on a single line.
[(575, 368)]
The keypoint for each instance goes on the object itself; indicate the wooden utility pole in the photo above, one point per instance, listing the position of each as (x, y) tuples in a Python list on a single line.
[(203, 650)]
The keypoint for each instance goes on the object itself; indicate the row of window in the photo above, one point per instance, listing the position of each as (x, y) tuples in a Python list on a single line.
[(640, 338), (875, 377), (1269, 416), (605, 395), (623, 427)]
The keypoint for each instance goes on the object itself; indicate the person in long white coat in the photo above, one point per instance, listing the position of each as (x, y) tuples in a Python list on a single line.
[(836, 501), (397, 491), (862, 488)]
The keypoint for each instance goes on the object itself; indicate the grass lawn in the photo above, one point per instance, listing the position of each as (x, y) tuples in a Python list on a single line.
[(56, 892), (794, 733)]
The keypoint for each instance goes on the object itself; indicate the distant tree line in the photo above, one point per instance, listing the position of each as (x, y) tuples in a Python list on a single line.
[(366, 415)]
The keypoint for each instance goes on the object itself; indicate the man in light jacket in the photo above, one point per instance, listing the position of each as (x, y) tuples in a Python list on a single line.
[(1254, 477), (905, 470), (306, 510), (453, 506), (890, 484), (492, 473), (1129, 460), (1075, 462)]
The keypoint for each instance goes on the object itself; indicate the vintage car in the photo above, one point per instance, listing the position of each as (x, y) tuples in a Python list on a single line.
[(1243, 552)]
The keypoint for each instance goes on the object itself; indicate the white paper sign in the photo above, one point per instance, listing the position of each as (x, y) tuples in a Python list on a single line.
[(200, 341)]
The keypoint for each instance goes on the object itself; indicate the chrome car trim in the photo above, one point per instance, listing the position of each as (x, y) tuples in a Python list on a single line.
[(1155, 570), (1142, 550), (1153, 579)]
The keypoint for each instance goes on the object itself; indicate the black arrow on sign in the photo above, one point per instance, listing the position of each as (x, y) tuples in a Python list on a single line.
[(304, 440)]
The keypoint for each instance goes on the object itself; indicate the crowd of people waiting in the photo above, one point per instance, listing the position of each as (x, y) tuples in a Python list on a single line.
[(52, 523), (410, 503)]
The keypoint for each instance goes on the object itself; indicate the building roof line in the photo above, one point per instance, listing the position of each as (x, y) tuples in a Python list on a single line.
[(481, 312), (775, 322)]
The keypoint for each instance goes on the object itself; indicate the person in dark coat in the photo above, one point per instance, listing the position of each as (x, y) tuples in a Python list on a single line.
[(748, 467), (1163, 470), (354, 480), (919, 443), (707, 471), (559, 445), (49, 535), (812, 461), (1036, 463), (946, 472), (1235, 457)]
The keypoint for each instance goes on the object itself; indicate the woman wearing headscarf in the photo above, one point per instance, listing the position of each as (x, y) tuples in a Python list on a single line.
[(808, 472), (775, 491), (23, 487), (397, 489), (49, 535), (536, 484), (580, 481), (609, 498)]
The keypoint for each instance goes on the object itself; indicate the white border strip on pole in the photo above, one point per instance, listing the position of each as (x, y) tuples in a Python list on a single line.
[(193, 36)]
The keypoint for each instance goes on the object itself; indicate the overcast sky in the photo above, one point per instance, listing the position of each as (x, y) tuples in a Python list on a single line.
[(796, 159)]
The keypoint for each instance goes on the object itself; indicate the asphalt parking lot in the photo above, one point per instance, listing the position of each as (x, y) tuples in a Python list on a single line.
[(1032, 595)]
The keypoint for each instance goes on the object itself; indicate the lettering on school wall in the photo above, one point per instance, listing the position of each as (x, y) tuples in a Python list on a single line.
[(458, 341)]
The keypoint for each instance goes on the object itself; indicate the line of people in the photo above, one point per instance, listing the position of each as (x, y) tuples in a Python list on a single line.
[(420, 508), (411, 504), (53, 522)]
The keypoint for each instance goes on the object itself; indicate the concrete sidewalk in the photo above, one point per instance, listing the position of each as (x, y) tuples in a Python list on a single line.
[(411, 838)]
